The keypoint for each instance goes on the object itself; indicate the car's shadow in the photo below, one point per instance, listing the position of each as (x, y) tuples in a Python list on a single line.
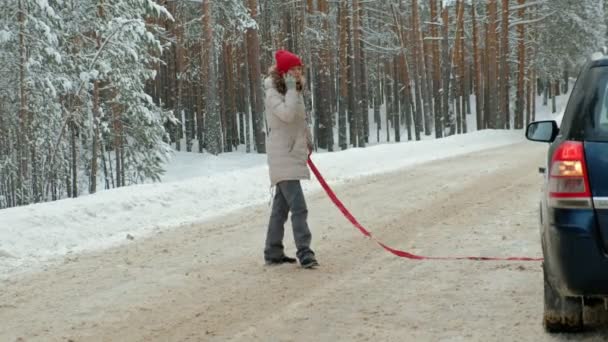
[(589, 334)]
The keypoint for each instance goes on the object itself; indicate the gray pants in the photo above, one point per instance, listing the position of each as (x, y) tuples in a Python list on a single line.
[(288, 197)]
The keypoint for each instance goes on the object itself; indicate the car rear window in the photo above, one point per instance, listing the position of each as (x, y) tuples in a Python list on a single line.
[(597, 126), (593, 114), (587, 112)]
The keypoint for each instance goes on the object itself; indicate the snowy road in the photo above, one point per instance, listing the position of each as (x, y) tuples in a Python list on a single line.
[(207, 282)]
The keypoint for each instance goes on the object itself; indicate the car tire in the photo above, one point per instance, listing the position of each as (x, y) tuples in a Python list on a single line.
[(595, 312), (562, 314)]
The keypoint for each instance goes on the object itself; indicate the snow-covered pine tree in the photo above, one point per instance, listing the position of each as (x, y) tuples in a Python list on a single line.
[(570, 33), (111, 51), (30, 59), (73, 88), (253, 58)]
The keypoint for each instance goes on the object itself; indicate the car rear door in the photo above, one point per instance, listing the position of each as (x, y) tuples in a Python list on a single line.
[(595, 130)]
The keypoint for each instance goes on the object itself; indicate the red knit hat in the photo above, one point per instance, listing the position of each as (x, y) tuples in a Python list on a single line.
[(286, 60)]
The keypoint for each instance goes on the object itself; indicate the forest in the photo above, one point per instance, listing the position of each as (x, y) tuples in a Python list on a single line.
[(96, 94)]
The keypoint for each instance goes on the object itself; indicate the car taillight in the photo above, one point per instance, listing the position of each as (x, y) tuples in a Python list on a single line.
[(568, 177)]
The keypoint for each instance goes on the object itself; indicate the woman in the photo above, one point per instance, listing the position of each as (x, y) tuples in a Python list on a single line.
[(287, 147)]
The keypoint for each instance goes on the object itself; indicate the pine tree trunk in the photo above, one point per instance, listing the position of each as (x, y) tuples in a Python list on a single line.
[(68, 183), (388, 95), (223, 97), (117, 128), (477, 70), (405, 98), (405, 76), (111, 169), (358, 113), (463, 70), (529, 94), (521, 56), (257, 94), (4, 137), (248, 139), (533, 97), (179, 78), (566, 86), (190, 93), (495, 119), (122, 159), (446, 70), (22, 136), (483, 67), (266, 34), (232, 91), (469, 84), (343, 78), (428, 56), (243, 102), (555, 88), (377, 101), (504, 112), (436, 70), (324, 83), (96, 115), (74, 154), (200, 105), (289, 22), (241, 76), (95, 147), (419, 114), (172, 93), (458, 68), (106, 174), (190, 113), (304, 19), (545, 93), (213, 127), (457, 105), (205, 83), (333, 84), (363, 126), (420, 70), (395, 100), (36, 188), (352, 94)]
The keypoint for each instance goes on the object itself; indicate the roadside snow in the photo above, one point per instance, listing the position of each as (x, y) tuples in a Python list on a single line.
[(196, 188)]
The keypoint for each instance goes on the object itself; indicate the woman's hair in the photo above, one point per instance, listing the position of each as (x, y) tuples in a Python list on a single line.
[(279, 81)]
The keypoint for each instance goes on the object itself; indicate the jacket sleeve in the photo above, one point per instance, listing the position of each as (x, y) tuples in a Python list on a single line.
[(290, 108), (309, 140)]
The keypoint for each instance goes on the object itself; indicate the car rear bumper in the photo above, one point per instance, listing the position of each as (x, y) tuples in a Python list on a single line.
[(575, 254)]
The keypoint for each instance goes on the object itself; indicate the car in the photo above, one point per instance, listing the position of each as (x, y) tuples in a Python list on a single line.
[(574, 204)]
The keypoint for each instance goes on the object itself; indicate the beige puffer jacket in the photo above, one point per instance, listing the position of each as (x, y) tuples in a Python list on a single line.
[(287, 142)]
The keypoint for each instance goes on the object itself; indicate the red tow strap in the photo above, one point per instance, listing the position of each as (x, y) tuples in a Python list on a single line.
[(399, 253)]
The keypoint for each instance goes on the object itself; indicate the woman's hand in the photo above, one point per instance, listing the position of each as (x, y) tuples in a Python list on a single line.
[(290, 82)]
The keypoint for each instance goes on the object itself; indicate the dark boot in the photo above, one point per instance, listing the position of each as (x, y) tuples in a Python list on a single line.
[(309, 261), (280, 261)]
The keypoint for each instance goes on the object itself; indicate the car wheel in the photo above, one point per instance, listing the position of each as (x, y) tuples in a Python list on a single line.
[(595, 312), (562, 314)]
